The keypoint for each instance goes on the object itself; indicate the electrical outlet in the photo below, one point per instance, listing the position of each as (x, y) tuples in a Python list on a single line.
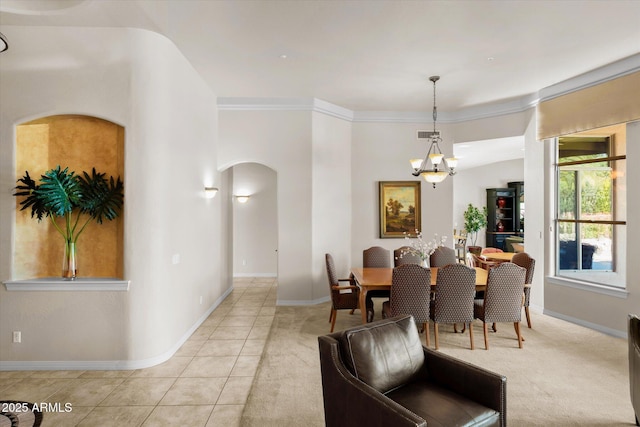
[(17, 337), (175, 259), (200, 299)]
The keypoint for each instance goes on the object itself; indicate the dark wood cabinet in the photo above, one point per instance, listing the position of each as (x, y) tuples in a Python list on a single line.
[(502, 216), (518, 206)]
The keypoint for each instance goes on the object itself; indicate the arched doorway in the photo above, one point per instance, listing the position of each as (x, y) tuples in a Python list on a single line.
[(255, 220)]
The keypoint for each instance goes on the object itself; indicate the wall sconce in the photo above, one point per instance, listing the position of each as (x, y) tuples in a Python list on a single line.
[(242, 199), (210, 192)]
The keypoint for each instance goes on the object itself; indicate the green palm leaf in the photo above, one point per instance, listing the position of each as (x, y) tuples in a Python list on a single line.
[(59, 191), (102, 199), (29, 189)]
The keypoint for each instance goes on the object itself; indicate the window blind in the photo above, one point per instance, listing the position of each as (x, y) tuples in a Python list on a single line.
[(612, 102)]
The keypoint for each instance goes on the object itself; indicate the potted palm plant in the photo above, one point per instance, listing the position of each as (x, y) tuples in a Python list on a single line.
[(77, 199), (474, 221)]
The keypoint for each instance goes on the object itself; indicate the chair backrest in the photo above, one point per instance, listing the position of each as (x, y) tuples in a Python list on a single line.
[(384, 354), (524, 260), (442, 256), (455, 290), (331, 270), (503, 297), (404, 255), (410, 292), (376, 257)]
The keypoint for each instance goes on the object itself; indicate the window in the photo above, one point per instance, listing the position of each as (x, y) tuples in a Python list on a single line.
[(591, 207)]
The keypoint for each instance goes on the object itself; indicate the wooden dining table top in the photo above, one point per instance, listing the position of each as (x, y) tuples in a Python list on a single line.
[(380, 278), (499, 256)]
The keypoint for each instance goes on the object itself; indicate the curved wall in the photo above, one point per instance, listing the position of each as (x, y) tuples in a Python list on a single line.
[(172, 233)]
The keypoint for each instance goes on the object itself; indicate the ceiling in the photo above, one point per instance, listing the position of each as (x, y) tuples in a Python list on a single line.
[(369, 55)]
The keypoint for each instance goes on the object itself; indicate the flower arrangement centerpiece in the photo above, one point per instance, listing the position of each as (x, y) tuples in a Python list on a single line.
[(422, 248)]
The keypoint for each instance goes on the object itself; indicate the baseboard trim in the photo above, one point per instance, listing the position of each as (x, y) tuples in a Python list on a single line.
[(594, 326), (110, 365)]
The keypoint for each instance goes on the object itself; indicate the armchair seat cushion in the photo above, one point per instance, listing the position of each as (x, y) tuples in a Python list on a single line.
[(441, 407)]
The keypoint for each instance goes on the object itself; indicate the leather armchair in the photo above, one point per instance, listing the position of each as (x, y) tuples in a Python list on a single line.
[(379, 374), (634, 363)]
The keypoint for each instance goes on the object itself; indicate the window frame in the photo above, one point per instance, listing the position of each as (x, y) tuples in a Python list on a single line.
[(614, 279)]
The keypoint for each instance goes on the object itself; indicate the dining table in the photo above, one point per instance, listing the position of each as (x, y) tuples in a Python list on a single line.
[(369, 279)]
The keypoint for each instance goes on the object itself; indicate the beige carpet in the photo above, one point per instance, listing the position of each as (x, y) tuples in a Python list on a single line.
[(565, 375)]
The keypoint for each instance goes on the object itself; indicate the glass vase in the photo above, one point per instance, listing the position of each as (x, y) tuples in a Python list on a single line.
[(69, 262)]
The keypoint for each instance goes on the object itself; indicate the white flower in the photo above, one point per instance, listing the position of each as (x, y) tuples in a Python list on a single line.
[(418, 246)]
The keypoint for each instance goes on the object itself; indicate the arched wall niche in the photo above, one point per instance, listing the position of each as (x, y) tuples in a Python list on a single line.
[(80, 143)]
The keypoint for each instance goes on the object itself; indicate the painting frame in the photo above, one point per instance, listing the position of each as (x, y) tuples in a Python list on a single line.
[(406, 221)]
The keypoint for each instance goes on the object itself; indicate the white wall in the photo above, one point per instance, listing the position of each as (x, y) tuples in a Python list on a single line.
[(137, 79), (280, 140), (381, 152), (255, 223), (332, 206)]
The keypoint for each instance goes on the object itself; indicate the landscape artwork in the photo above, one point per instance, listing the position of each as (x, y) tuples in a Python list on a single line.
[(399, 208)]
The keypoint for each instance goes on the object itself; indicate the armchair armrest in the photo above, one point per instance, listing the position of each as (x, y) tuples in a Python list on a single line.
[(349, 401), (473, 382)]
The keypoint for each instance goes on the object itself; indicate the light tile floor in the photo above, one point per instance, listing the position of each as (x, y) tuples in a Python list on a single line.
[(206, 383)]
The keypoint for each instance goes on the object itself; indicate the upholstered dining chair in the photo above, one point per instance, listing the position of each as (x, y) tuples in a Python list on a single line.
[(455, 290), (410, 294), (503, 298), (404, 255), (375, 257), (343, 297), (442, 256), (524, 260)]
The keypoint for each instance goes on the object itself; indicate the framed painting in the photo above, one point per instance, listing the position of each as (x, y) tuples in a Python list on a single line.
[(399, 208)]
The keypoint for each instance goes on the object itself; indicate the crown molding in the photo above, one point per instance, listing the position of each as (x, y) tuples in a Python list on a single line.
[(517, 105), (623, 67)]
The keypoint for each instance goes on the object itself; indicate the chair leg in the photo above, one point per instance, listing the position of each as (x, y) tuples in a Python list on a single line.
[(330, 314), (471, 334), (486, 335), (435, 333), (494, 327), (333, 321), (526, 312), (352, 311), (455, 328), (426, 333), (516, 325)]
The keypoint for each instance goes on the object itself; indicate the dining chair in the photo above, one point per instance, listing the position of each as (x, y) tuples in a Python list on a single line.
[(503, 299), (455, 290), (460, 244), (343, 297), (410, 294), (524, 260), (481, 262), (404, 255), (491, 250), (442, 256), (375, 257)]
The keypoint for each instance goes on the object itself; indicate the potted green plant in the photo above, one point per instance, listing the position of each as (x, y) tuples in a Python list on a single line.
[(474, 221), (78, 199)]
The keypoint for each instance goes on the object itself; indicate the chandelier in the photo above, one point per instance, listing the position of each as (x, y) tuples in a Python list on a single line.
[(434, 173)]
